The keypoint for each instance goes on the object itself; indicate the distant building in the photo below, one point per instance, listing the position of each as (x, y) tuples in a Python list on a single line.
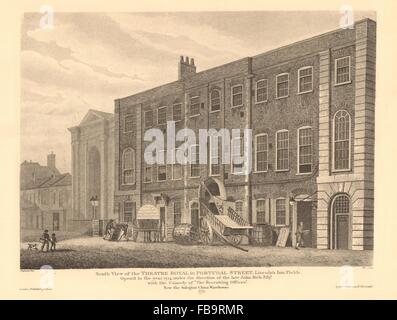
[(93, 168), (45, 196)]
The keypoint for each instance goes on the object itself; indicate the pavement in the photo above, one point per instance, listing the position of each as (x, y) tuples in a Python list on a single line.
[(89, 252)]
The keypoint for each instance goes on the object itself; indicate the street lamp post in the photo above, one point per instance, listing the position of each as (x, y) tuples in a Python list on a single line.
[(95, 223)]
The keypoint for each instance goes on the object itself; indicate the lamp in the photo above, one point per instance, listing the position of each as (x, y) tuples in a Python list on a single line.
[(94, 202)]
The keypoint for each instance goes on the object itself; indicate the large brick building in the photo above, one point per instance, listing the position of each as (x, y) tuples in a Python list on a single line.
[(310, 106)]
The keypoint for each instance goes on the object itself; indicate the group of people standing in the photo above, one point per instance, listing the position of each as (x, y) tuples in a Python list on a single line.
[(48, 242)]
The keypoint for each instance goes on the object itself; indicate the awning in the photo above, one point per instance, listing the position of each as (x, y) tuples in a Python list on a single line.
[(148, 212)]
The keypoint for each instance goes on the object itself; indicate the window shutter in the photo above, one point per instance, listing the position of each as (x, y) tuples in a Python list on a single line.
[(253, 211), (267, 213), (287, 211), (273, 212)]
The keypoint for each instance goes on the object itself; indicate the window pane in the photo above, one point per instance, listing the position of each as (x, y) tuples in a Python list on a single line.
[(261, 153), (261, 91), (162, 115), (129, 123), (177, 112), (215, 100), (305, 150), (342, 140), (237, 96), (305, 80), (343, 70), (282, 85), (215, 153), (282, 151), (148, 118), (260, 211), (280, 212), (194, 106), (194, 166)]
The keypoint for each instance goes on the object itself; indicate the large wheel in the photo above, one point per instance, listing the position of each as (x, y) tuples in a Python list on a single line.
[(235, 239), (206, 234)]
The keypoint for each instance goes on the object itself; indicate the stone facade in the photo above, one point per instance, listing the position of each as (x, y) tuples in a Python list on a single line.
[(314, 191), (92, 168)]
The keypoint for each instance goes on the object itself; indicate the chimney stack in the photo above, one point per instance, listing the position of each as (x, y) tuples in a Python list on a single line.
[(51, 160), (186, 68)]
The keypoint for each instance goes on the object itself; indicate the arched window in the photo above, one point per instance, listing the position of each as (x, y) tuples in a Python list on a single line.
[(342, 138), (215, 100), (128, 174)]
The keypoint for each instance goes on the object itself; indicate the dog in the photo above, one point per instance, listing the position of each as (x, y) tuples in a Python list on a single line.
[(32, 246)]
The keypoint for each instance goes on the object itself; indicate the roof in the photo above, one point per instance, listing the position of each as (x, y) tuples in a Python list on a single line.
[(53, 181)]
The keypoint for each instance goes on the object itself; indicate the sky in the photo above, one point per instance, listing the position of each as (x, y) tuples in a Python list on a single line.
[(87, 60)]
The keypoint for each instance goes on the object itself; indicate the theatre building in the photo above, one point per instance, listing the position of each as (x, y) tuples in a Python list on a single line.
[(310, 106)]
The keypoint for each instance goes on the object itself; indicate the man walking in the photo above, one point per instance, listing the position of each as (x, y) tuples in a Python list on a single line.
[(46, 240)]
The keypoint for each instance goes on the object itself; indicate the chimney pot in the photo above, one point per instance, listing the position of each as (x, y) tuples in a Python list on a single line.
[(181, 58), (187, 60), (192, 61)]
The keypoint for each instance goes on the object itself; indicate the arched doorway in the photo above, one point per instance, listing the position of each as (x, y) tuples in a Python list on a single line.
[(94, 182), (340, 222)]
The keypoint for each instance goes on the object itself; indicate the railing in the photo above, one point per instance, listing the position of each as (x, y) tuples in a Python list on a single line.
[(214, 222), (236, 217)]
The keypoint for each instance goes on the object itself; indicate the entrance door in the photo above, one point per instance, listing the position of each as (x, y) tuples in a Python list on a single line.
[(162, 223), (342, 232), (55, 221), (304, 214), (195, 215)]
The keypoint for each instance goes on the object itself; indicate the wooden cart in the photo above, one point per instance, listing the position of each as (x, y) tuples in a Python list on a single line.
[(218, 218), (149, 223)]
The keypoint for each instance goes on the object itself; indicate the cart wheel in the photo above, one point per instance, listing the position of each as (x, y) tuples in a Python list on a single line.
[(235, 239), (162, 232), (206, 234)]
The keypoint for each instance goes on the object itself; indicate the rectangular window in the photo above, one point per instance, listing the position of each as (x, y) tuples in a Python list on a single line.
[(195, 157), (177, 213), (215, 155), (129, 211), (280, 212), (282, 146), (129, 123), (177, 169), (261, 211), (162, 115), (194, 106), (261, 153), (239, 207), (215, 100), (177, 112), (305, 79), (162, 168), (148, 174), (342, 70), (237, 155), (282, 85), (261, 91), (237, 96), (305, 152), (149, 119)]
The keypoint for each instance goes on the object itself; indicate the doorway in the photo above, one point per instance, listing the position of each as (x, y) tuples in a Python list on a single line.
[(304, 214), (195, 215), (340, 234)]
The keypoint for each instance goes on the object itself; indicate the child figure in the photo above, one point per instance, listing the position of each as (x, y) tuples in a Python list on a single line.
[(53, 242)]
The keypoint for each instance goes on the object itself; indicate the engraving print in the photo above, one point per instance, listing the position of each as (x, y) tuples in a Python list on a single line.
[(197, 139)]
